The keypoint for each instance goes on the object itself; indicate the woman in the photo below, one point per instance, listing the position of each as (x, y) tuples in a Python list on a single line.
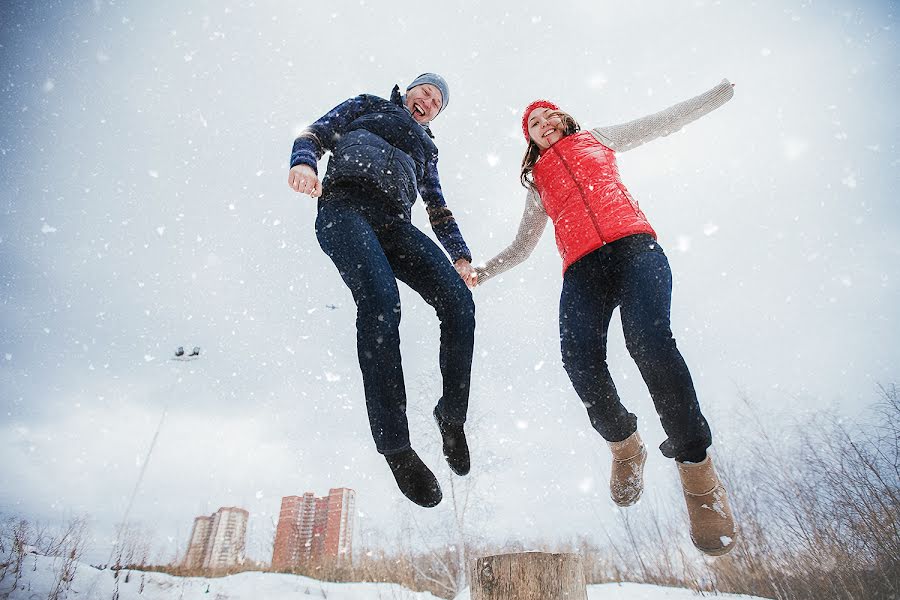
[(611, 258), (382, 157)]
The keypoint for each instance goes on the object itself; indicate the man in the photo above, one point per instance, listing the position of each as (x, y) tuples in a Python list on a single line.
[(382, 155)]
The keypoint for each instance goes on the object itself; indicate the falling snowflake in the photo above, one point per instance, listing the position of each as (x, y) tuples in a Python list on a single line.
[(849, 180), (794, 148), (597, 81)]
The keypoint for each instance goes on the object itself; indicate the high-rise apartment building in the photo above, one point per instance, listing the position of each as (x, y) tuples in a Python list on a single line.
[(218, 541), (197, 544), (314, 530)]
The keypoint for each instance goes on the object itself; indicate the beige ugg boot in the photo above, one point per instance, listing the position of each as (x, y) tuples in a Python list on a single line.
[(713, 530), (626, 483)]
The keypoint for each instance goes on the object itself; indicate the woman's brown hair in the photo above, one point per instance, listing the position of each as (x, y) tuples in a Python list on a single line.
[(533, 152)]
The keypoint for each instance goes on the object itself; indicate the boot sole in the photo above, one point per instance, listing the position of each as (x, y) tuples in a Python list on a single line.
[(718, 551), (632, 503), (422, 504)]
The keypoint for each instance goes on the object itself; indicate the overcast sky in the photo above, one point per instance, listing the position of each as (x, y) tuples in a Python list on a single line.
[(143, 163)]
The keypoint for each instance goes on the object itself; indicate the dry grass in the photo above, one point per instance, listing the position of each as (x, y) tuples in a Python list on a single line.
[(20, 539), (820, 512), (818, 504)]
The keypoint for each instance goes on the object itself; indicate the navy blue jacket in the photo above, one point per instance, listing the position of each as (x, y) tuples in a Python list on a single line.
[(376, 143)]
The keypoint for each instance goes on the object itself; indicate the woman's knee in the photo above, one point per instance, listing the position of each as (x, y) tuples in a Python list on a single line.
[(584, 363), (579, 344), (651, 346)]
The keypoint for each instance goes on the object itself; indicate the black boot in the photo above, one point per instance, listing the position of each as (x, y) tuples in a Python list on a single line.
[(456, 450), (414, 479)]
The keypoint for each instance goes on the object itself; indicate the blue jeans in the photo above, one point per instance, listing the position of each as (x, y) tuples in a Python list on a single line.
[(371, 249), (632, 273)]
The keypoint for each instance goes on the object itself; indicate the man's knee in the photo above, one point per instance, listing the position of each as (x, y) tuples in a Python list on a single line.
[(379, 309), (457, 306), (466, 306)]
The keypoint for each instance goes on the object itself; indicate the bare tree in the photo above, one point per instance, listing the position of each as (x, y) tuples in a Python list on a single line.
[(133, 544), (446, 545)]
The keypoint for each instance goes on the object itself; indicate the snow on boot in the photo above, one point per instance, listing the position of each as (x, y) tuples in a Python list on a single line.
[(414, 478), (626, 482), (456, 449), (713, 530)]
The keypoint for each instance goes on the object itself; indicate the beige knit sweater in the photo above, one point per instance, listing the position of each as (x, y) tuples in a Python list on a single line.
[(618, 138)]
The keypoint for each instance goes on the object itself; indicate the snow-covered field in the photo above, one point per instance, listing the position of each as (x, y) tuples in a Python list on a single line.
[(39, 578)]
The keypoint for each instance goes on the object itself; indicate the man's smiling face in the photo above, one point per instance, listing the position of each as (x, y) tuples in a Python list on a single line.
[(424, 102)]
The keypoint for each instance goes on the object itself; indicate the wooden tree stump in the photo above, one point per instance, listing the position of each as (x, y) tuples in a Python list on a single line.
[(528, 576)]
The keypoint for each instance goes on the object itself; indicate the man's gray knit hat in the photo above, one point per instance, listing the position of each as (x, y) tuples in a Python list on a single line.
[(438, 82)]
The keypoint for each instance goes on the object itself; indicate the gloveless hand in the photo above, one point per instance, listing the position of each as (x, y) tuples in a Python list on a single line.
[(303, 179), (467, 272)]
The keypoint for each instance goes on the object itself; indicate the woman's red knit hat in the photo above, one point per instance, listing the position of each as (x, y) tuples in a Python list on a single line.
[(531, 107)]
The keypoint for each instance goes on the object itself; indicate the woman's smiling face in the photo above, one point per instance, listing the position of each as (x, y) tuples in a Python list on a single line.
[(544, 127)]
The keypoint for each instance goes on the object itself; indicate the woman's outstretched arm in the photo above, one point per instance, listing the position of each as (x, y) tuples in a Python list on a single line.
[(534, 221), (640, 131)]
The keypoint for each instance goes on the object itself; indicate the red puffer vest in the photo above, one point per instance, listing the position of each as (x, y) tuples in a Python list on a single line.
[(579, 185)]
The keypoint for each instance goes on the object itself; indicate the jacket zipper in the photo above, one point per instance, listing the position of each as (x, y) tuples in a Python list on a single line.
[(587, 207)]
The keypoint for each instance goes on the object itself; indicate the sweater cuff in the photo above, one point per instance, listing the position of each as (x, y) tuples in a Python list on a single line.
[(725, 91), (464, 253), (305, 157)]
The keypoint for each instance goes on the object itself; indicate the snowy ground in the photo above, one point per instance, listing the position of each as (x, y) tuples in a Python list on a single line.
[(40, 575)]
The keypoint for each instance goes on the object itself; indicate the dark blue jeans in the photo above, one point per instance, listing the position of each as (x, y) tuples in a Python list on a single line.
[(632, 273), (371, 249)]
